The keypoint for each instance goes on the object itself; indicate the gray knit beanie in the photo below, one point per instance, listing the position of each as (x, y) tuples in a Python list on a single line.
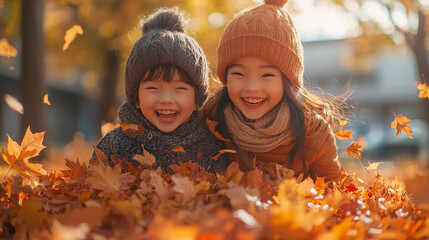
[(165, 41)]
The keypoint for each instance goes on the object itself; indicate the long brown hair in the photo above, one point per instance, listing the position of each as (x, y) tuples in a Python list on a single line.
[(302, 104)]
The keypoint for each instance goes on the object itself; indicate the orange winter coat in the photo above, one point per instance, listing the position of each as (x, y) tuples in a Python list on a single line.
[(320, 150)]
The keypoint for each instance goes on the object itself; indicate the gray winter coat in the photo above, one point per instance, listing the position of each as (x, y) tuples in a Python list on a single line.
[(195, 138)]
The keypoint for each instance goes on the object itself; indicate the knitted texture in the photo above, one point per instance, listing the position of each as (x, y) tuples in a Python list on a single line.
[(266, 32), (195, 138), (165, 41)]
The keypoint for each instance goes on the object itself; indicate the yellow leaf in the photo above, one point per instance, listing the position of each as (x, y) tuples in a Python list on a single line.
[(203, 186), (373, 166), (7, 50), (400, 123), (212, 127), (222, 152), (342, 123), (46, 100), (18, 156), (178, 149), (71, 35), (13, 103)]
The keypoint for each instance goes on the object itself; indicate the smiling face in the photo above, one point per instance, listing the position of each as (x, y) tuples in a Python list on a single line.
[(166, 104), (254, 86)]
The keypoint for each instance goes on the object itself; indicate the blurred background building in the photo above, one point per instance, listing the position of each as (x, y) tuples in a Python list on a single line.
[(375, 47)]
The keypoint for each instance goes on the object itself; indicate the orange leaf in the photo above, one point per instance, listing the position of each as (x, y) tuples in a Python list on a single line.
[(107, 127), (355, 149), (106, 179), (342, 123), (400, 123), (13, 103), (131, 128), (71, 35), (7, 50), (212, 127), (346, 134), (222, 152), (178, 149), (17, 156), (424, 90), (46, 100)]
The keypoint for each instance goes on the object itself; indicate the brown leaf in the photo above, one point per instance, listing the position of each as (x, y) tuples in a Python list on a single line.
[(13, 103), (7, 50), (131, 128), (46, 100), (400, 123), (77, 170), (71, 35), (212, 127), (146, 159), (178, 149), (106, 179), (183, 185), (222, 152)]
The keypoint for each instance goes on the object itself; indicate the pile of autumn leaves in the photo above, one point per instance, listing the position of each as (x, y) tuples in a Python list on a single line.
[(100, 202)]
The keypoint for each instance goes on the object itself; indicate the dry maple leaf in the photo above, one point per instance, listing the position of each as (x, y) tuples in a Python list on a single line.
[(7, 50), (222, 152), (212, 127), (346, 134), (13, 103), (131, 128), (46, 100), (71, 35), (424, 90), (17, 156), (178, 149), (106, 179), (355, 149), (146, 159), (400, 123), (183, 185)]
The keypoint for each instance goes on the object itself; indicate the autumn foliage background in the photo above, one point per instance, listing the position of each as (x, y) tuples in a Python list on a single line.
[(56, 53)]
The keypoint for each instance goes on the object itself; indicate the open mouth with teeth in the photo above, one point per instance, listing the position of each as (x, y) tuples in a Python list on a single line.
[(253, 100), (166, 115)]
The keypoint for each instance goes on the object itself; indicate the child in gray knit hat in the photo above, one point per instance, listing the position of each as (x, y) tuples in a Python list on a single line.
[(166, 82)]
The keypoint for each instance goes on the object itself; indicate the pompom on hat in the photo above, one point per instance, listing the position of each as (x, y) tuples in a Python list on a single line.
[(164, 41), (267, 32)]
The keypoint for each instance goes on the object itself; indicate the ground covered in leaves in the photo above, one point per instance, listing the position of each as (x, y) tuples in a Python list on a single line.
[(89, 200)]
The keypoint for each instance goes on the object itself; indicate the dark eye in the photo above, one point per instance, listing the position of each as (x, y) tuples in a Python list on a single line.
[(182, 88), (151, 88), (237, 73), (268, 75)]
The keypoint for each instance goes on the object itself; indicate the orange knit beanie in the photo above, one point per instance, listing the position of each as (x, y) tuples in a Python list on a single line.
[(266, 32)]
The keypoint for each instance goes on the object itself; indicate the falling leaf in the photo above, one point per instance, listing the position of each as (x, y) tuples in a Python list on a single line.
[(424, 89), (178, 149), (13, 103), (131, 128), (342, 123), (107, 127), (212, 127), (355, 149), (7, 50), (400, 123), (46, 100), (373, 166), (71, 35), (346, 134), (17, 156), (222, 152)]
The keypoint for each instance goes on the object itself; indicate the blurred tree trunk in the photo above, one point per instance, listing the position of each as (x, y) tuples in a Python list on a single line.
[(417, 44), (108, 89), (33, 65)]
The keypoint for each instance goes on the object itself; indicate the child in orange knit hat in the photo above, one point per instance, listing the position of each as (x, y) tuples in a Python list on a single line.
[(263, 107)]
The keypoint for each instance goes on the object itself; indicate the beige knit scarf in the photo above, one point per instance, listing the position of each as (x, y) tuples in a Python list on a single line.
[(260, 135)]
